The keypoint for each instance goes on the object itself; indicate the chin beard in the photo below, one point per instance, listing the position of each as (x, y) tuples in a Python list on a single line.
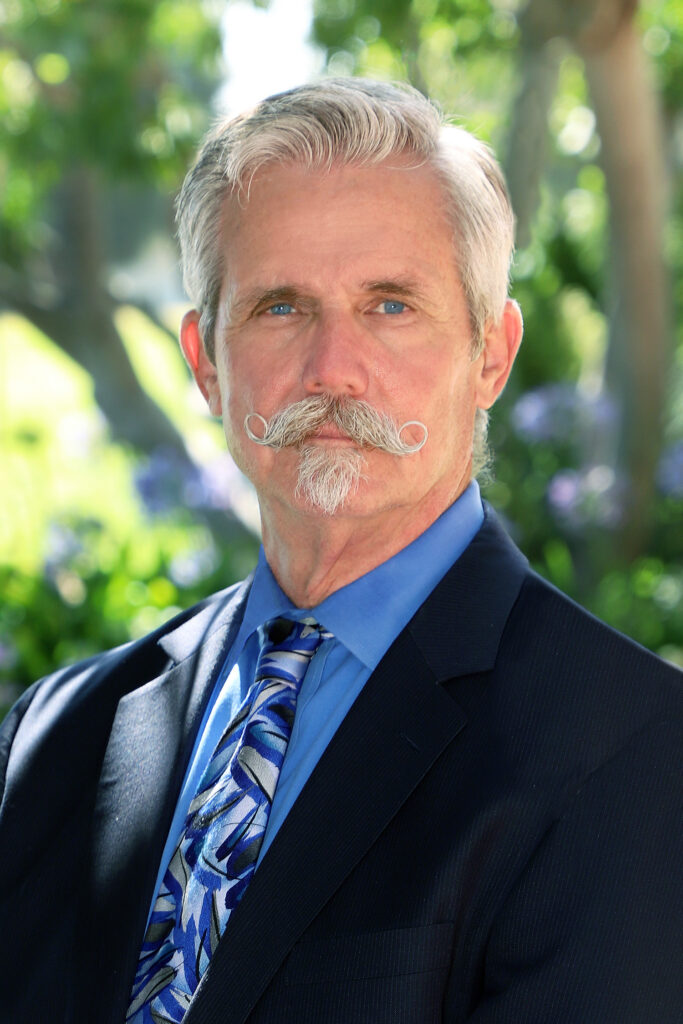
[(328, 477)]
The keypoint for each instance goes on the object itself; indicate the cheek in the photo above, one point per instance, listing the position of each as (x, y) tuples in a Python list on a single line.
[(452, 408), (232, 414), (237, 388), (254, 382)]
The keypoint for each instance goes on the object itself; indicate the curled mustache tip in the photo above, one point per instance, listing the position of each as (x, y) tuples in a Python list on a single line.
[(250, 433)]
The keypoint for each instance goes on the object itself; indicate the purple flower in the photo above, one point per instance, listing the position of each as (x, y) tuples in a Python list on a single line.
[(593, 496), (670, 471), (226, 487), (545, 414), (564, 491), (220, 480), (166, 480), (561, 412)]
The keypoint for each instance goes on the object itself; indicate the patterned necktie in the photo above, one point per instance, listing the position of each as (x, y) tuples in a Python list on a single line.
[(223, 831)]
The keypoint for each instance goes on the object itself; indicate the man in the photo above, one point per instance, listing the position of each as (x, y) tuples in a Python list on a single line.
[(475, 817)]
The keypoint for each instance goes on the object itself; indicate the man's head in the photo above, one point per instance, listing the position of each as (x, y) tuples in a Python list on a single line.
[(348, 252), (349, 121)]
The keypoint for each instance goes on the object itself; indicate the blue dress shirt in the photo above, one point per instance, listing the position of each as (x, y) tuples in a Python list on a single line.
[(365, 617)]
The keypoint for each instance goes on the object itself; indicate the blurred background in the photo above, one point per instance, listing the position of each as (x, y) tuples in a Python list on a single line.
[(119, 503)]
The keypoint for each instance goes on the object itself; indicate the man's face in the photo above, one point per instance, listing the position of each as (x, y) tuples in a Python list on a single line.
[(345, 283)]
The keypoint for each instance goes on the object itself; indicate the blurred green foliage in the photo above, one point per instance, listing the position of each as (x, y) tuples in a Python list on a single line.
[(118, 85)]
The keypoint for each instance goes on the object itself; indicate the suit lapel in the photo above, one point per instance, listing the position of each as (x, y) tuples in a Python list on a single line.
[(146, 757), (398, 726)]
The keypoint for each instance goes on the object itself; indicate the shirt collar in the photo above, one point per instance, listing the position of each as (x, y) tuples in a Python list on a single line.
[(368, 614)]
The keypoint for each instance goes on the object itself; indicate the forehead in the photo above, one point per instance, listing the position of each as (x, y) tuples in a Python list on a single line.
[(382, 220), (405, 177), (336, 201)]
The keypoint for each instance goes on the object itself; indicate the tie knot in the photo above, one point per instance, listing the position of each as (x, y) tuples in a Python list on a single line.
[(286, 633), (277, 630), (287, 648)]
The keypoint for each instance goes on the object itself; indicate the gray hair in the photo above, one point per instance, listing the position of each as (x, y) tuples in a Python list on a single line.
[(351, 121)]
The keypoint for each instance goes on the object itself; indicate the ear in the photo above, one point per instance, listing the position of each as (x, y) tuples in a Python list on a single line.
[(501, 344), (203, 370)]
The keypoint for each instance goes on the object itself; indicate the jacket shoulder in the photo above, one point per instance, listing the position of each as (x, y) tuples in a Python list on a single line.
[(578, 641), (581, 689), (69, 702)]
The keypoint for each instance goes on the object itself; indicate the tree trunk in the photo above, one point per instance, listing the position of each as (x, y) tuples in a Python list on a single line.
[(83, 324), (529, 131), (632, 155), (604, 34)]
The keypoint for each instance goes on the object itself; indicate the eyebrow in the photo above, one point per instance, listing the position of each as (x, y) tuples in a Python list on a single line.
[(260, 298), (394, 286), (403, 288)]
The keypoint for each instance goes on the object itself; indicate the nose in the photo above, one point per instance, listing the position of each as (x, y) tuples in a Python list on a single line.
[(336, 360)]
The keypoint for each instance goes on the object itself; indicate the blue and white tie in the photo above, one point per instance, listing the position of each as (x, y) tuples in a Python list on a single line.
[(223, 831)]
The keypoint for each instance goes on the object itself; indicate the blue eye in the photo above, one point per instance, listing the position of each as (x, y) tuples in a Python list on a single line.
[(281, 309), (392, 306)]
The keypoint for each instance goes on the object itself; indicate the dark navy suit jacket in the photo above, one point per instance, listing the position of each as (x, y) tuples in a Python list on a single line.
[(492, 836)]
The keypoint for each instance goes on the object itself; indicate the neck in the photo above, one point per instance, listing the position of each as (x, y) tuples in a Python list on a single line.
[(312, 555)]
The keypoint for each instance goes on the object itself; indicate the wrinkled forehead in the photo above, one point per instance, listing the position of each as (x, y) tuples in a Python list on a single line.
[(297, 181)]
